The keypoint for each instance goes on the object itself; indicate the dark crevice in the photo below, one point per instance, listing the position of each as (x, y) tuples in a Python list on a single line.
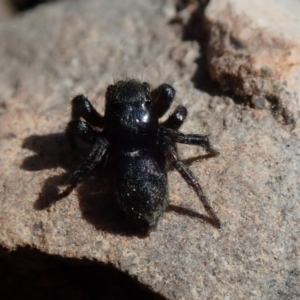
[(31, 274), (190, 32), (196, 28)]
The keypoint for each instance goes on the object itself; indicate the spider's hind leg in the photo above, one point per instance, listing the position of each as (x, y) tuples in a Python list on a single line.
[(186, 173)]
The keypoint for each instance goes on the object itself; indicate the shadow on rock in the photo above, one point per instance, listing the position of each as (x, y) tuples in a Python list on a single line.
[(39, 275), (23, 5), (190, 213), (96, 195)]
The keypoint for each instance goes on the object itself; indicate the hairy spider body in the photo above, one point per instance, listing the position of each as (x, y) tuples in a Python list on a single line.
[(141, 186), (130, 129)]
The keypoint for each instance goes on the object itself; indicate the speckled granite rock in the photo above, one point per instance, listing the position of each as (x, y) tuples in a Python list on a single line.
[(254, 52), (56, 51)]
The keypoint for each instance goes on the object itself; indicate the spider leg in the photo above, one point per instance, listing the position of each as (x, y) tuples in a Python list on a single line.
[(176, 119), (189, 177), (96, 157), (191, 139), (81, 129), (82, 108), (163, 97)]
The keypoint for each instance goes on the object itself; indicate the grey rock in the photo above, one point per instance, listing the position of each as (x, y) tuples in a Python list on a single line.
[(59, 50), (253, 51)]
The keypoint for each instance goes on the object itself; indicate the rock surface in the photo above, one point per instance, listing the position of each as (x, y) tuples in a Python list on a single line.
[(254, 52), (5, 10), (58, 50)]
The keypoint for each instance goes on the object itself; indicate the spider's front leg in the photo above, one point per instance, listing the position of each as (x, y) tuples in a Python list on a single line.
[(163, 97), (96, 157), (176, 119), (171, 154), (82, 108), (78, 128)]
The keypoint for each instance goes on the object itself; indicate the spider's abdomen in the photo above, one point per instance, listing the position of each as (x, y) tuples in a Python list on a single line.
[(141, 186)]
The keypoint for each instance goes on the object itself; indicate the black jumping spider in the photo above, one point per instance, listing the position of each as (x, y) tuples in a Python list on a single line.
[(141, 145)]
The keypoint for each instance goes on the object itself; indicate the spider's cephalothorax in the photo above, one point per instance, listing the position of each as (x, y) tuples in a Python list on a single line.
[(130, 129)]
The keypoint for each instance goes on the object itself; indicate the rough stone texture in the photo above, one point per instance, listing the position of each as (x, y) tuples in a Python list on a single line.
[(254, 52), (50, 54)]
